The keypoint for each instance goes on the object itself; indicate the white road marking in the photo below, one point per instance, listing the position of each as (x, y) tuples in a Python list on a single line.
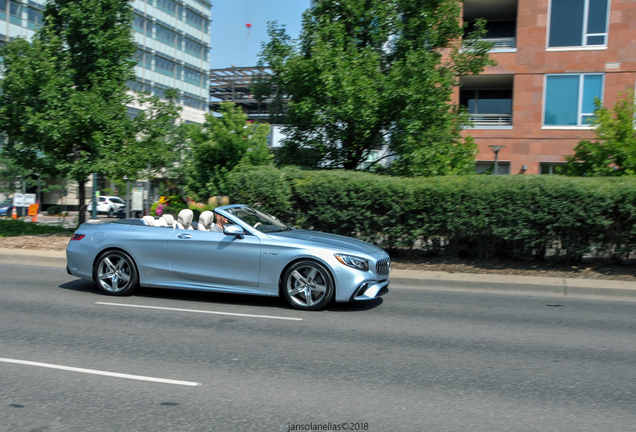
[(200, 311), (104, 373)]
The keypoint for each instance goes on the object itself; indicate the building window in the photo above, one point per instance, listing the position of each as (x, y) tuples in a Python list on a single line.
[(195, 49), (192, 77), (578, 23), (194, 20), (165, 35), (138, 24), (165, 67), (550, 167), (168, 6), (486, 167), (569, 99), (34, 18), (149, 26), (3, 10), (15, 12)]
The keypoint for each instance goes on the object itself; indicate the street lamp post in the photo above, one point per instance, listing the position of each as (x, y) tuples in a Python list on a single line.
[(127, 196), (496, 149)]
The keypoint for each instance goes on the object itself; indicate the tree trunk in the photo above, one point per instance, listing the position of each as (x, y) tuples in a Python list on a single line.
[(82, 201)]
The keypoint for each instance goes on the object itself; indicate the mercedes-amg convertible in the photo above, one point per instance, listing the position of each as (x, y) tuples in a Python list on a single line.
[(246, 251)]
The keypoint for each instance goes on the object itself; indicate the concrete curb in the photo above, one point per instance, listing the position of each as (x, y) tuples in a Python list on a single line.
[(429, 280), (511, 284), (33, 257)]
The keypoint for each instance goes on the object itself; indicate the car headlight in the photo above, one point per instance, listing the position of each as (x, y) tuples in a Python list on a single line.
[(353, 261)]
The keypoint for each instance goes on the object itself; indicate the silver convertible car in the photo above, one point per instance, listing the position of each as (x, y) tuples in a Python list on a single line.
[(253, 253)]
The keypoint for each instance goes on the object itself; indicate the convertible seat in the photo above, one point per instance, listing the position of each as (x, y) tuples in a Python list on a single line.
[(161, 222), (184, 219), (169, 220), (205, 220), (149, 220)]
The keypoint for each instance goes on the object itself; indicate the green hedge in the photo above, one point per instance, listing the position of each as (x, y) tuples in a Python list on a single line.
[(13, 228), (468, 215)]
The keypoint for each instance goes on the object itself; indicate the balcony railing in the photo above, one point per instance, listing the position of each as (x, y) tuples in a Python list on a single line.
[(491, 119), (509, 42)]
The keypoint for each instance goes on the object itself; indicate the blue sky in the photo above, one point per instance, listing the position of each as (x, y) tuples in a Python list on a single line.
[(231, 43)]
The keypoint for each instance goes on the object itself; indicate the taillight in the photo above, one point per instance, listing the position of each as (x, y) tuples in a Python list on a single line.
[(77, 236)]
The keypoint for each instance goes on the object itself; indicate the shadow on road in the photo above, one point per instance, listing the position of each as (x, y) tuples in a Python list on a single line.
[(81, 285)]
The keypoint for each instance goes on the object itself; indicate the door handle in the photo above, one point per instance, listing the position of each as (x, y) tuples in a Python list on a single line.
[(184, 236)]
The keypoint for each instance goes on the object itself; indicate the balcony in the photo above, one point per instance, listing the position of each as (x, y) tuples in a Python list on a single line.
[(502, 42), (501, 21), (487, 120), (488, 99)]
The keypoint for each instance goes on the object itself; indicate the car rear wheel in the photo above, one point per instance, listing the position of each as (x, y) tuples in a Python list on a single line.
[(308, 285), (111, 213), (116, 273)]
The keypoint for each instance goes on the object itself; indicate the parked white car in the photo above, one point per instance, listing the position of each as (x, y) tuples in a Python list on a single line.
[(108, 205)]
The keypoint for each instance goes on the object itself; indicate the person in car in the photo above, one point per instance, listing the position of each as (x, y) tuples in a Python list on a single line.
[(220, 223)]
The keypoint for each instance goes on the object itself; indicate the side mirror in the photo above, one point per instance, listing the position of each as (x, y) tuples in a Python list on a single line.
[(234, 230)]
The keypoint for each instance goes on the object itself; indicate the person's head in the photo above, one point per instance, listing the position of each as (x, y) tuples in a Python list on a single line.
[(220, 220)]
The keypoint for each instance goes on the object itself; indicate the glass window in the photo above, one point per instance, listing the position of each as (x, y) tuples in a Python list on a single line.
[(569, 99), (578, 23), (165, 35), (486, 167), (192, 76), (550, 167), (487, 101), (149, 26), (164, 66), (3, 10), (138, 24), (168, 6), (194, 20), (15, 13), (34, 17), (194, 49)]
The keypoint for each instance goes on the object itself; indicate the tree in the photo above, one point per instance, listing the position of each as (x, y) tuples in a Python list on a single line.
[(366, 73), (64, 95), (613, 153), (218, 146)]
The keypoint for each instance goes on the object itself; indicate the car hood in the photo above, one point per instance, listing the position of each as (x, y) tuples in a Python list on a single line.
[(334, 241)]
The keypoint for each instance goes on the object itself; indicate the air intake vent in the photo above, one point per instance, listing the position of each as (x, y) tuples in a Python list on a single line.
[(383, 266)]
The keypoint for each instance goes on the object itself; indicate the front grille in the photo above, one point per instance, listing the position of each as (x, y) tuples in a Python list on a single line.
[(383, 267)]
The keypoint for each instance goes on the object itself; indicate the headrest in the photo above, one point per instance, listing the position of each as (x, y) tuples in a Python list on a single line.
[(205, 220), (161, 222), (185, 218), (169, 219), (150, 221)]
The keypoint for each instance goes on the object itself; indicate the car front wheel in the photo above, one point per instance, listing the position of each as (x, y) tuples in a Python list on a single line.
[(116, 273), (308, 285)]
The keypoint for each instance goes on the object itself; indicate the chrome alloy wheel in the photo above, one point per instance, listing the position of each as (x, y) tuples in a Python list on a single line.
[(308, 285), (116, 274)]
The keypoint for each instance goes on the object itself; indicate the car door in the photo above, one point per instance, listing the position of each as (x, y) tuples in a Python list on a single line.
[(214, 258)]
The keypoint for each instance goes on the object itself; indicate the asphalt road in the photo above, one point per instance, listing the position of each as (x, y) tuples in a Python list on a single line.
[(415, 361)]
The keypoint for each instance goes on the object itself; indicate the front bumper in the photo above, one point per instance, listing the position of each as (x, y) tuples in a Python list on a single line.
[(370, 290)]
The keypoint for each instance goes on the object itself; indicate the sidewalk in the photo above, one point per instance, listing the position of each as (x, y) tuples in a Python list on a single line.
[(429, 280)]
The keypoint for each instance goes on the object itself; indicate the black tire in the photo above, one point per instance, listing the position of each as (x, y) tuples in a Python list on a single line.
[(116, 274), (111, 213), (308, 285)]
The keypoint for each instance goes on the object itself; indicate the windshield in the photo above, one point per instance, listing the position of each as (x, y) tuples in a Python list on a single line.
[(6, 202), (259, 220)]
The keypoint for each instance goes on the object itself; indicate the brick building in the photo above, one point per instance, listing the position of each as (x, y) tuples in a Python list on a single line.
[(553, 58)]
